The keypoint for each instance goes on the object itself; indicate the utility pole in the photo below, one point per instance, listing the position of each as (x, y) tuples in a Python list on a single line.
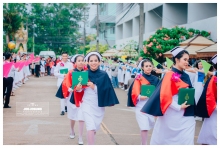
[(84, 33), (141, 27), (97, 25), (33, 36)]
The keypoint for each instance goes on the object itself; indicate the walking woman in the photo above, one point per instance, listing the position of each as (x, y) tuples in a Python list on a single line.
[(98, 95), (145, 121), (73, 105), (175, 124), (207, 108)]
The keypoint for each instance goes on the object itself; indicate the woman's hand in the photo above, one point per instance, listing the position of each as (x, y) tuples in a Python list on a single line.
[(70, 90), (91, 85), (78, 87), (183, 106), (143, 97)]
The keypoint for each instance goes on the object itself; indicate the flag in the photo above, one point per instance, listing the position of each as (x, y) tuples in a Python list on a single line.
[(110, 61), (32, 56), (169, 62), (16, 65), (104, 59), (206, 66), (155, 62), (6, 69), (21, 65)]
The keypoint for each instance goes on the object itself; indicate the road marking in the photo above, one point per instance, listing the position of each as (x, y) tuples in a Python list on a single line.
[(104, 127), (33, 128)]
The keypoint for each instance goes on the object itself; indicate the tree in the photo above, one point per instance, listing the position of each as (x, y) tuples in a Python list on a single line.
[(57, 25), (12, 19), (166, 39), (102, 48), (90, 38)]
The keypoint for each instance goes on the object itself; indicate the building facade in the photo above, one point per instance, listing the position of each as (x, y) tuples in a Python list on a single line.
[(107, 16), (201, 16)]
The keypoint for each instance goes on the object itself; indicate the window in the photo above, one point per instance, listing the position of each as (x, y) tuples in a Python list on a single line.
[(112, 30)]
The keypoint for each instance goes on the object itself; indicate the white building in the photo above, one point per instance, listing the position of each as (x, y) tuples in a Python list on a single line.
[(201, 16), (107, 12)]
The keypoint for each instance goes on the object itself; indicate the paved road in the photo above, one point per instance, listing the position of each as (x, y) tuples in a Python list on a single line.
[(119, 125)]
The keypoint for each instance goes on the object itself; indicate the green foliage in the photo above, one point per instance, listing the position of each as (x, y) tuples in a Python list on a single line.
[(90, 38), (82, 50), (12, 18), (102, 48), (165, 39), (54, 25), (57, 25), (15, 50)]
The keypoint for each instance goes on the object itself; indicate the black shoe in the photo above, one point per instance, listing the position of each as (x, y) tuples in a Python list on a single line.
[(62, 113), (65, 108), (7, 106)]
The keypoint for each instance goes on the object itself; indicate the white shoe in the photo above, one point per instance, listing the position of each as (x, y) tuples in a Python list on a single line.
[(80, 142), (72, 136), (15, 87), (126, 90), (19, 84), (122, 87)]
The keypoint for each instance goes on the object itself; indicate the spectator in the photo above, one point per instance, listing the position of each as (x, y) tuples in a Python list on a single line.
[(37, 68), (48, 65), (114, 73), (8, 82)]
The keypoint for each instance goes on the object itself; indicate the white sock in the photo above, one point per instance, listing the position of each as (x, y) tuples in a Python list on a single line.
[(62, 104)]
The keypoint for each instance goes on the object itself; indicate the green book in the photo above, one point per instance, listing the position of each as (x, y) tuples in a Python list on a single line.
[(79, 77), (64, 71), (147, 90), (186, 94)]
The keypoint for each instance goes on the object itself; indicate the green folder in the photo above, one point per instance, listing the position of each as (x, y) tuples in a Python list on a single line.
[(79, 77), (186, 94), (64, 71), (147, 90)]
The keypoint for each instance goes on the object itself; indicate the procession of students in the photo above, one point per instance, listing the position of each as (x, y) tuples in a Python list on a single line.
[(172, 123), (16, 72)]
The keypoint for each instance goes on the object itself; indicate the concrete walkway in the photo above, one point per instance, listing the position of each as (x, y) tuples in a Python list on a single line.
[(47, 127)]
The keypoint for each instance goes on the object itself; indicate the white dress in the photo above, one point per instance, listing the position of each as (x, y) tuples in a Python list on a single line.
[(127, 75), (108, 71), (119, 73), (20, 77), (16, 78), (74, 113), (26, 73), (208, 132), (42, 68), (145, 121), (92, 113), (173, 128), (198, 88)]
